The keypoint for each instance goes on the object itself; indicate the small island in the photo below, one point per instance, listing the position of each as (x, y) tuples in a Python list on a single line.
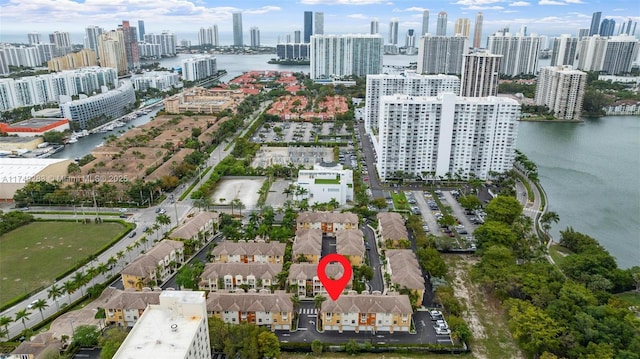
[(289, 61)]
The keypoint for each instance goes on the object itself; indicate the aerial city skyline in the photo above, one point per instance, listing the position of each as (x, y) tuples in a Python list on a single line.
[(546, 17)]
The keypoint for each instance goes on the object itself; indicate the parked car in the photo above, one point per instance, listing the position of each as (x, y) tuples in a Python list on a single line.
[(32, 304), (132, 234)]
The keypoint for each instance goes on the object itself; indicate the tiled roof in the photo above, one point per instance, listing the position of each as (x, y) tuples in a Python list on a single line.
[(405, 269), (147, 263), (368, 303), (308, 241), (259, 270), (249, 248), (192, 227), (350, 242), (122, 299), (307, 271), (392, 226), (249, 302), (327, 217)]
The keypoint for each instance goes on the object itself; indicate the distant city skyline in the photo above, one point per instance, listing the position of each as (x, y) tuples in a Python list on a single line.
[(281, 18)]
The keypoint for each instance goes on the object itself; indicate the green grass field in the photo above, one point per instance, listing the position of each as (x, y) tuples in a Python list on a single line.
[(33, 255), (631, 297)]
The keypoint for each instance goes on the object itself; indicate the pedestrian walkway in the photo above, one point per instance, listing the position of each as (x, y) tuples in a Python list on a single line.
[(308, 311)]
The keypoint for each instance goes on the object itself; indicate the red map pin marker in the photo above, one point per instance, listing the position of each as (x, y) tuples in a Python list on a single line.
[(334, 286)]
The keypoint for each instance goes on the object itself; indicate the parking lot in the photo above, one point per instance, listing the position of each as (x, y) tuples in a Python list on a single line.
[(296, 132)]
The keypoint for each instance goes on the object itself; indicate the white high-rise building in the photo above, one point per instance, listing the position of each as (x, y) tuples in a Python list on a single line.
[(345, 55), (619, 55), (209, 36), (198, 68), (446, 135), (480, 74), (237, 30), (149, 50), (62, 40), (442, 54), (462, 27), (91, 37), (28, 56), (519, 52), (175, 328), (34, 38), (393, 31), (254, 32), (318, 23), (408, 83), (167, 41), (591, 51), (561, 89), (564, 50)]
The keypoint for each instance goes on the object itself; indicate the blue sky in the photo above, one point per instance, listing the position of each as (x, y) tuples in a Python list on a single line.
[(278, 18)]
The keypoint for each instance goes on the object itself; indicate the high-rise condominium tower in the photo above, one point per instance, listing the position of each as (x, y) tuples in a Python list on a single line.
[(237, 29), (519, 52), (91, 37), (462, 27), (410, 40), (425, 22), (374, 26), (308, 26), (34, 38), (434, 136), (318, 23), (477, 31), (591, 50), (62, 40), (564, 50), (296, 37), (441, 27), (255, 37), (131, 45), (480, 74), (345, 55), (441, 54), (595, 23), (393, 31), (111, 51), (141, 32), (561, 89), (607, 27), (619, 54), (409, 83)]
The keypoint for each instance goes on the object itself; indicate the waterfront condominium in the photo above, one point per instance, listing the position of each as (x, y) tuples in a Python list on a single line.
[(591, 50), (480, 74), (91, 37), (167, 42), (441, 25), (561, 89), (441, 54), (141, 32), (255, 36), (393, 31), (446, 135), (595, 23), (111, 51), (407, 83), (131, 45), (208, 36), (62, 40), (198, 68), (176, 328), (308, 26), (519, 52), (34, 38), (237, 29), (563, 51), (462, 27), (619, 54), (345, 55), (374, 28), (90, 112), (477, 31)]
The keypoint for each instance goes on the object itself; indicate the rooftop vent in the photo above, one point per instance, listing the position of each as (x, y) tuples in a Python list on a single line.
[(174, 327)]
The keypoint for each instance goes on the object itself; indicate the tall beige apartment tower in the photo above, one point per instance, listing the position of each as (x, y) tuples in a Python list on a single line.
[(561, 89), (111, 51), (477, 31), (462, 27)]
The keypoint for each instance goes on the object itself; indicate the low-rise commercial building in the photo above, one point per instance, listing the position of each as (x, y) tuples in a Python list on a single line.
[(326, 182), (35, 127), (16, 172)]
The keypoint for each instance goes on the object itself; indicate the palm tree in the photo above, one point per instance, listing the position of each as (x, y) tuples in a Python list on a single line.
[(79, 280), (54, 293), (163, 220), (5, 321), (145, 240), (102, 268), (23, 315), (140, 283), (238, 204), (318, 300), (547, 218), (295, 300), (111, 263), (69, 287), (40, 304)]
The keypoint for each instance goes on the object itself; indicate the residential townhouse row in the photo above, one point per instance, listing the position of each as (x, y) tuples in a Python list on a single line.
[(308, 245), (351, 312), (391, 229)]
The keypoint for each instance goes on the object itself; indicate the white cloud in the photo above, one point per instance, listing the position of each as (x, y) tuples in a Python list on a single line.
[(510, 11), (342, 2), (574, 1), (476, 2), (263, 10), (358, 16), (479, 7), (550, 2), (520, 3), (416, 8)]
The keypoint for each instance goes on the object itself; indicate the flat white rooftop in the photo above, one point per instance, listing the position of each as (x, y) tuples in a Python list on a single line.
[(165, 330), (25, 168)]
